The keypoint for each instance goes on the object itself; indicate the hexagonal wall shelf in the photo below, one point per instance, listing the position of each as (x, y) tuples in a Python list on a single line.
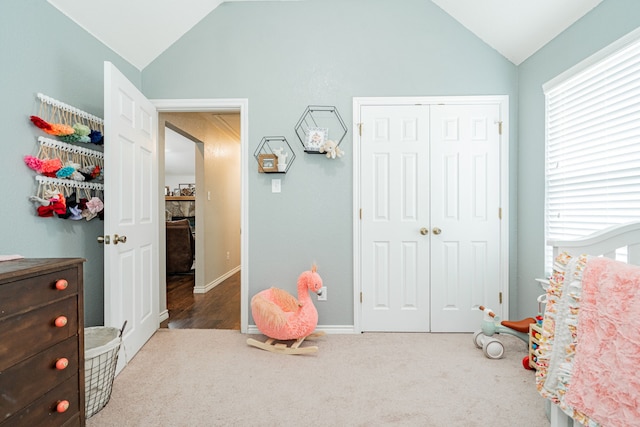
[(274, 155), (317, 124)]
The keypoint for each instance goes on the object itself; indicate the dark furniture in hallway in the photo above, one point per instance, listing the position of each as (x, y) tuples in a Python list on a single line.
[(180, 246)]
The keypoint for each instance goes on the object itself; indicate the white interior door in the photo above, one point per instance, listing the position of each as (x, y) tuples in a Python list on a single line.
[(395, 207), (465, 203), (131, 217), (432, 169)]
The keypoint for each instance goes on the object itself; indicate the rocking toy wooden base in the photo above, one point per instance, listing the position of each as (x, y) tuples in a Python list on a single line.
[(275, 346)]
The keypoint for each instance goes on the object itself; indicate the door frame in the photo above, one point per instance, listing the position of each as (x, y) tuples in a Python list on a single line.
[(202, 105), (503, 101)]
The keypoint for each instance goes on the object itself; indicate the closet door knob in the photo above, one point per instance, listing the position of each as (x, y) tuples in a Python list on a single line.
[(104, 239), (436, 230), (424, 231), (61, 284)]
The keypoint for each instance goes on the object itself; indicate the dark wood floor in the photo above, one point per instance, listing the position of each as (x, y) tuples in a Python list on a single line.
[(217, 309)]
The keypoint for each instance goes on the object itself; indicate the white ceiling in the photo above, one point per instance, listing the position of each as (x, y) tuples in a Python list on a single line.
[(180, 154), (515, 28), (154, 25), (180, 151)]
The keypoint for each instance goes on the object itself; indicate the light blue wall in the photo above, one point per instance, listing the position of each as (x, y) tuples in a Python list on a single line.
[(602, 26), (43, 51), (284, 56)]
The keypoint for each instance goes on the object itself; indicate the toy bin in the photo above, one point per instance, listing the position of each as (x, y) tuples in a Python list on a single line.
[(102, 345)]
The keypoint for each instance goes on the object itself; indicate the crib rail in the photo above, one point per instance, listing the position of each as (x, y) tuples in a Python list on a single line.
[(606, 243)]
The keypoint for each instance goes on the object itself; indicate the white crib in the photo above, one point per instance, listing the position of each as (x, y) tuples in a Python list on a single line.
[(619, 242)]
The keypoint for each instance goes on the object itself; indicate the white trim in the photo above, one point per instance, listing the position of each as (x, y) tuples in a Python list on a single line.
[(504, 202), (357, 250), (242, 105), (503, 101), (327, 329), (617, 45), (211, 285)]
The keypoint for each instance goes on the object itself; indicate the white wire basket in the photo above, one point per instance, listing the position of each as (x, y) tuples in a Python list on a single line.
[(102, 345)]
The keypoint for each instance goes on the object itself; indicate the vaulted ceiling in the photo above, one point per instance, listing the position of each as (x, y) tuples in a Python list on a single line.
[(515, 28)]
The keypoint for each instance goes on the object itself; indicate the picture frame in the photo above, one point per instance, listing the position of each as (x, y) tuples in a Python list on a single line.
[(267, 163), (315, 138), (188, 190)]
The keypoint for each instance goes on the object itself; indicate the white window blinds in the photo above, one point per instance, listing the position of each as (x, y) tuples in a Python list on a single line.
[(593, 147)]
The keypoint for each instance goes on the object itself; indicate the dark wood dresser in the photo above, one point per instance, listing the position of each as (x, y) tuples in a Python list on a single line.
[(41, 342)]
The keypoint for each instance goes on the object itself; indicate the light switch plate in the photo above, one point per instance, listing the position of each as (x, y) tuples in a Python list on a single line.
[(276, 186)]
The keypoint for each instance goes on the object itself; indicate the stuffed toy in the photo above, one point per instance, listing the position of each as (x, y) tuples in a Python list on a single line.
[(331, 148), (280, 316)]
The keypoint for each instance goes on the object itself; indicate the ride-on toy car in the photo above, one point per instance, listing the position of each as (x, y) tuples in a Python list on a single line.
[(491, 325)]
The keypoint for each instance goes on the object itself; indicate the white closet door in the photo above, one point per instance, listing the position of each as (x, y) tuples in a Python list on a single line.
[(395, 207), (430, 228), (465, 201)]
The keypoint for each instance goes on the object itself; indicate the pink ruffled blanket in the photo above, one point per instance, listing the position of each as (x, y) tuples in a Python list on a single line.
[(605, 384)]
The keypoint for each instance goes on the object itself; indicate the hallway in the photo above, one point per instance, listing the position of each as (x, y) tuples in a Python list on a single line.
[(217, 309)]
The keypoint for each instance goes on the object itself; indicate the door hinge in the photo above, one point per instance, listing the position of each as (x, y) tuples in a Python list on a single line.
[(499, 213), (360, 213), (360, 128), (360, 297), (500, 127), (500, 297)]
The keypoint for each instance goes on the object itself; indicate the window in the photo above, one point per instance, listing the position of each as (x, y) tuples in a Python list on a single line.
[(593, 144)]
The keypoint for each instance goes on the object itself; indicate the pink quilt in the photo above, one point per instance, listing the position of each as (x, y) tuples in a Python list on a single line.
[(605, 384)]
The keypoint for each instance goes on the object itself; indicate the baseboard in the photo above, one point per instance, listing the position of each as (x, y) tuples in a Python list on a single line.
[(208, 287), (327, 329), (164, 315)]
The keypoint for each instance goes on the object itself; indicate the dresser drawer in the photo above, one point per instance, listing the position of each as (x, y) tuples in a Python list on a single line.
[(18, 296), (36, 376), (42, 412), (24, 335)]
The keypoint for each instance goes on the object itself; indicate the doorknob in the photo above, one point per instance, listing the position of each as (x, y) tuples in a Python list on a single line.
[(436, 230), (424, 231), (121, 239), (104, 239)]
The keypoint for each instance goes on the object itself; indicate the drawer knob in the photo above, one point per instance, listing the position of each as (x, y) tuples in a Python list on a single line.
[(61, 321), (61, 284), (62, 363), (62, 406)]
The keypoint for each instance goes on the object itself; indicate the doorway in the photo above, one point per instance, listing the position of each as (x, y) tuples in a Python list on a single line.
[(216, 271), (210, 160), (431, 190)]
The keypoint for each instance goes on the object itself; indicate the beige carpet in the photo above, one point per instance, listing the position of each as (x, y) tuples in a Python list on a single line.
[(193, 377)]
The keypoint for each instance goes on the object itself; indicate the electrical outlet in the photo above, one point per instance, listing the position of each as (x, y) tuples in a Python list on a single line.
[(322, 296)]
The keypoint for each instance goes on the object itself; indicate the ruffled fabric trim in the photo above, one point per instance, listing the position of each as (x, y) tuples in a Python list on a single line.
[(559, 334)]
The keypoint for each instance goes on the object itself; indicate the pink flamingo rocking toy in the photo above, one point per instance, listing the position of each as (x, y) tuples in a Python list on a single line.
[(282, 317)]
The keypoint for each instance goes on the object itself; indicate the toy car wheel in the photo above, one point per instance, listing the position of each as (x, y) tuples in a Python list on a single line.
[(477, 339), (493, 349)]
